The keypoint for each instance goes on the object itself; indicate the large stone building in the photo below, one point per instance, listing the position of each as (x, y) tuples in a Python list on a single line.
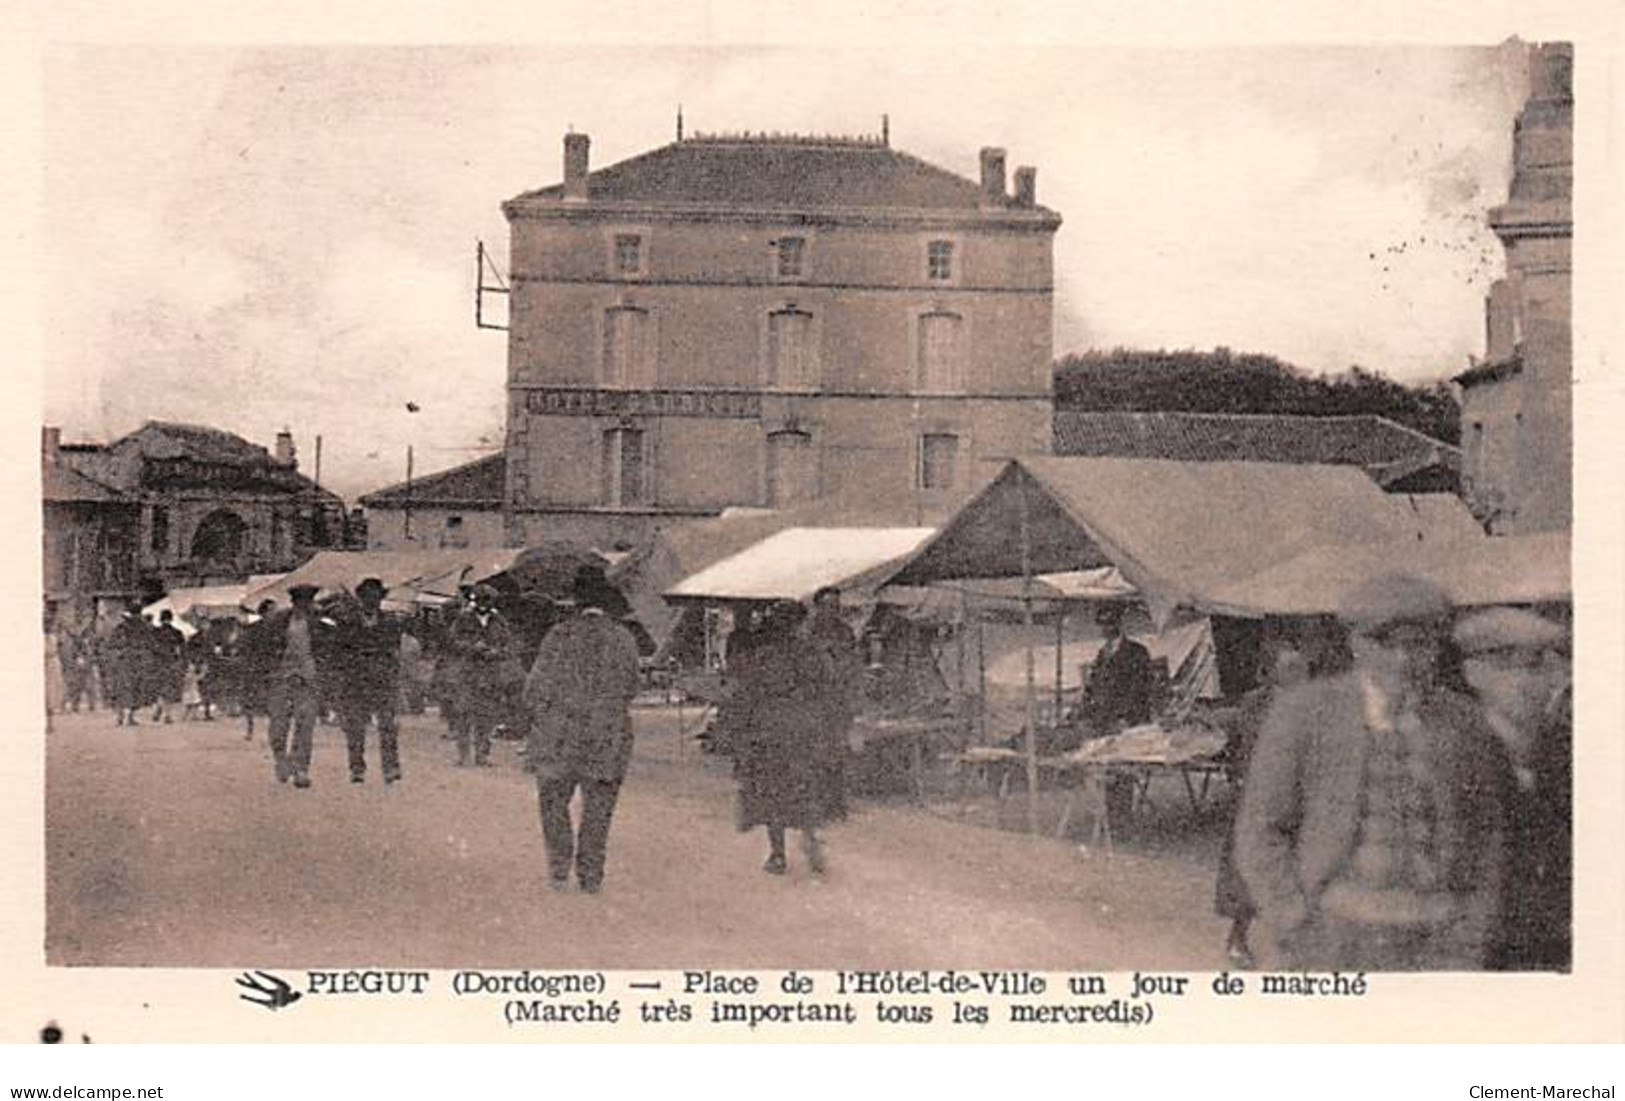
[(1517, 417), (759, 321), (209, 505)]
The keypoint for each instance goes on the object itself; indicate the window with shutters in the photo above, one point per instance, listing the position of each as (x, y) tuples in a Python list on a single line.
[(629, 360), (624, 468), (791, 359), (792, 473), (939, 460), (941, 343)]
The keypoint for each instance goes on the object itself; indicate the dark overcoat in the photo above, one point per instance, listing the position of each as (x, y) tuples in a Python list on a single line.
[(788, 753), (580, 693)]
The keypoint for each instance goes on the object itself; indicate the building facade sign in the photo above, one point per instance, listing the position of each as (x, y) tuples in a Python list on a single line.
[(580, 401)]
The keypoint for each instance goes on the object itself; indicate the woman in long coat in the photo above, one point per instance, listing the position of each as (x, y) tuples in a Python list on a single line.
[(789, 748)]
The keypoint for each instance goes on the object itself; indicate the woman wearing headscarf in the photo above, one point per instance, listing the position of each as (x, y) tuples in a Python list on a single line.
[(788, 753)]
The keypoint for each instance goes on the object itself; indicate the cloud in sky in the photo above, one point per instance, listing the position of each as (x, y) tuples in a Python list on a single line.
[(280, 237)]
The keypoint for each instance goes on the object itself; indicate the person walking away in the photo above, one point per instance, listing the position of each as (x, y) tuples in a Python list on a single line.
[(254, 673), (786, 756), (1369, 831), (1517, 664), (367, 649), (127, 657), (169, 663), (288, 643), (579, 693), (1117, 696), (483, 644)]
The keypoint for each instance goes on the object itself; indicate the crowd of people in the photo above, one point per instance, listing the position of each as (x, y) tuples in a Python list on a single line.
[(1405, 770)]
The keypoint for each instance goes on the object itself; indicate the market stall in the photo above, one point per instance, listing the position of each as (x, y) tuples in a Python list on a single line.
[(1176, 532)]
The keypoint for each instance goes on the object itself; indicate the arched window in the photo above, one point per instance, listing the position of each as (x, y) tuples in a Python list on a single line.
[(219, 538), (941, 344), (792, 471), (791, 362), (624, 468), (628, 349)]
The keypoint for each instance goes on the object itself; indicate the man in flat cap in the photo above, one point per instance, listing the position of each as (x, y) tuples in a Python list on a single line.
[(483, 646), (367, 656), (580, 696), (1517, 664), (1368, 834), (290, 644)]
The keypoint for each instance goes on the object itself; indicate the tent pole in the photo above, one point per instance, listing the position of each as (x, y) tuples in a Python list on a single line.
[(981, 682), (1027, 624), (1060, 638)]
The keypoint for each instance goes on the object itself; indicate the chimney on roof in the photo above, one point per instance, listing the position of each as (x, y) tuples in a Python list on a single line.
[(1026, 187), (285, 452), (992, 175), (50, 443), (576, 147)]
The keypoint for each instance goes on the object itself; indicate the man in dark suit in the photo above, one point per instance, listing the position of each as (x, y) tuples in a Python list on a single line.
[(289, 645), (485, 650), (1117, 697), (1369, 832), (367, 659), (580, 695)]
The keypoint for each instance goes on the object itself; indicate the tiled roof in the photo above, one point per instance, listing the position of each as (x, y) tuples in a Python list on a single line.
[(63, 484), (1372, 442), (172, 440), (475, 484), (777, 172)]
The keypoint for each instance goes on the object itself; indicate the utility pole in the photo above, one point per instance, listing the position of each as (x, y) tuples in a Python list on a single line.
[(406, 528)]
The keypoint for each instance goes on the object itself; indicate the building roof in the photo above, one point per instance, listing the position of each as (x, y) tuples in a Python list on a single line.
[(1375, 443), (474, 485), (64, 485), (799, 173), (173, 440)]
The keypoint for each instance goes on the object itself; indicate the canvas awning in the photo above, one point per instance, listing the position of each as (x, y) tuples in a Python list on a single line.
[(197, 603), (794, 563), (432, 576), (1176, 531), (1502, 569)]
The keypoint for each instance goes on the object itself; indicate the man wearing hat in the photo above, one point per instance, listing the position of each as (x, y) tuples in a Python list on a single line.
[(288, 644), (1517, 664), (1368, 834), (1118, 696), (483, 646), (367, 653), (580, 696)]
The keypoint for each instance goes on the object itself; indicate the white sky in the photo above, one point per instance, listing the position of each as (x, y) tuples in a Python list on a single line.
[(262, 238)]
